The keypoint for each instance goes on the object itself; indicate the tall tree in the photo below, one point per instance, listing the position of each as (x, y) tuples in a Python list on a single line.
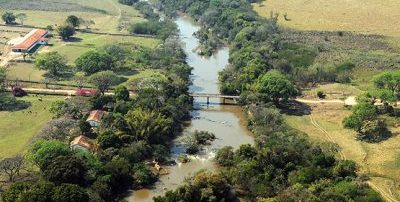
[(73, 21), (65, 31), (8, 18), (103, 80), (12, 167), (94, 61), (53, 62), (151, 126), (274, 86)]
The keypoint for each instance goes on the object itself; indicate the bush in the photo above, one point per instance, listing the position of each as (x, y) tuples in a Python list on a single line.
[(321, 94), (374, 131), (18, 92)]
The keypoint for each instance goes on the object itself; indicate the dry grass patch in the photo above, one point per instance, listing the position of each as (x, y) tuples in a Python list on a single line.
[(378, 160), (363, 16)]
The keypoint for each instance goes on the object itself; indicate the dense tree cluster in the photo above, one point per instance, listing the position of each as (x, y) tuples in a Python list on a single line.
[(133, 131)]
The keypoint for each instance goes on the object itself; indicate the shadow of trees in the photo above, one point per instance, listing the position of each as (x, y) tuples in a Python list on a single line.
[(10, 103), (295, 108)]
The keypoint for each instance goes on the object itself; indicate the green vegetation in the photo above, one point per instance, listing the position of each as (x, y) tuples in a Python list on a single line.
[(8, 18), (17, 128), (133, 131), (53, 62)]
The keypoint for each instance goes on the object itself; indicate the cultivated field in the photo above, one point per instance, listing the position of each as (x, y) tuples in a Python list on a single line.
[(379, 161), (363, 16), (19, 127)]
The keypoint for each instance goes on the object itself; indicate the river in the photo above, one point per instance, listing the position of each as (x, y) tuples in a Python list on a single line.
[(226, 122)]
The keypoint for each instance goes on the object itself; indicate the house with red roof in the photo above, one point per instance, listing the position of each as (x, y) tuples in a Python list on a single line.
[(95, 117), (31, 40), (82, 143)]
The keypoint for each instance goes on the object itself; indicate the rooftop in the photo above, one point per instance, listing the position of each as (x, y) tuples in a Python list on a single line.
[(83, 141), (96, 115), (31, 38)]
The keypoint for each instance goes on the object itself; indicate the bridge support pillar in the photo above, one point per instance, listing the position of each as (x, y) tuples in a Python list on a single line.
[(208, 100), (223, 100)]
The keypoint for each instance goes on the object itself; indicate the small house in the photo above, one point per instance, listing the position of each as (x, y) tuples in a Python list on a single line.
[(95, 117), (31, 40), (82, 143)]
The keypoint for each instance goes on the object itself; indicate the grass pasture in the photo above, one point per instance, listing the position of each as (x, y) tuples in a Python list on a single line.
[(19, 127), (380, 161), (370, 54), (362, 16), (109, 16)]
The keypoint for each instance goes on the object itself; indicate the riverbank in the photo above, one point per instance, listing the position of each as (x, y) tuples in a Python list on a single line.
[(226, 122)]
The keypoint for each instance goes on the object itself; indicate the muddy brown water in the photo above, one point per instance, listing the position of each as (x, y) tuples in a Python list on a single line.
[(226, 122)]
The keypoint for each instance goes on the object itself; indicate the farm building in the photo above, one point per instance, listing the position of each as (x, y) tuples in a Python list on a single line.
[(82, 143), (95, 117), (31, 40)]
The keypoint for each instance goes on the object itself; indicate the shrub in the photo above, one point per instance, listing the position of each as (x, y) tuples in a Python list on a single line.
[(321, 94), (374, 131), (18, 92)]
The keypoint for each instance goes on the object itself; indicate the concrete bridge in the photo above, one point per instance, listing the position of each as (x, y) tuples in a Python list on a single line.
[(218, 96)]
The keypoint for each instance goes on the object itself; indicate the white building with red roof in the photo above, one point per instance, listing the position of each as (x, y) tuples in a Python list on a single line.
[(33, 38), (95, 117), (82, 143)]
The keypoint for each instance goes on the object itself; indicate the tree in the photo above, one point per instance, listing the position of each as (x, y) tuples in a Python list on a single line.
[(108, 139), (53, 62), (142, 175), (345, 168), (150, 126), (3, 79), (70, 193), (103, 80), (42, 152), (203, 187), (11, 167), (94, 61), (73, 21), (374, 131), (80, 79), (65, 169), (274, 86), (361, 112), (61, 129), (121, 93), (120, 171), (41, 191), (389, 81), (8, 18), (21, 17), (15, 191), (65, 31)]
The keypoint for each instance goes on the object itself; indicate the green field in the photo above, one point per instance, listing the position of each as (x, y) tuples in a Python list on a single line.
[(108, 15), (19, 127)]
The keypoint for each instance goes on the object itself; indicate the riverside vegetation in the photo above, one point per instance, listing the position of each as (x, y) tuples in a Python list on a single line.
[(283, 165)]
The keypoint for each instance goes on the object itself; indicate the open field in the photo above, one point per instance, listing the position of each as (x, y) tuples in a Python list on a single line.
[(108, 15), (379, 161), (363, 16), (17, 128)]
